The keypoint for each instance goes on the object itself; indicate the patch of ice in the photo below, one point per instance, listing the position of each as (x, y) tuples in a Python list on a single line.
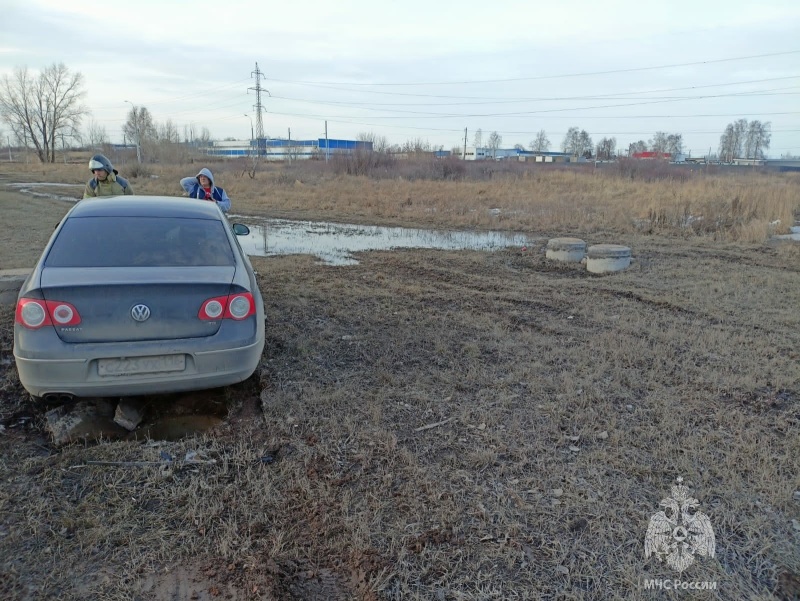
[(28, 188)]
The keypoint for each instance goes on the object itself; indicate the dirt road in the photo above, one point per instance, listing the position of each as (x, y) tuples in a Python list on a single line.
[(28, 223), (442, 425)]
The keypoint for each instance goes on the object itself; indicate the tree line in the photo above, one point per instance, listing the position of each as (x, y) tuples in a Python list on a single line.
[(42, 110), (578, 143), (45, 110), (745, 140)]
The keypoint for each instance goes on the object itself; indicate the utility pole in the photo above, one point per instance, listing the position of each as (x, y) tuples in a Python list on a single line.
[(258, 106), (63, 149), (326, 141), (9, 148), (464, 158), (290, 146)]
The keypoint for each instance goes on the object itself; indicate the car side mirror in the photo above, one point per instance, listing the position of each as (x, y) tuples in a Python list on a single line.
[(240, 229)]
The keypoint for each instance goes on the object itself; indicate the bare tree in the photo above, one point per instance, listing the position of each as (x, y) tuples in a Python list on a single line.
[(416, 146), (658, 143), (758, 139), (140, 128), (494, 142), (739, 135), (586, 144), (204, 139), (675, 144), (637, 147), (96, 135), (540, 143), (743, 139), (5, 140), (606, 149), (379, 143), (140, 125), (44, 108), (664, 143), (577, 142), (727, 144), (168, 132), (570, 140), (478, 139)]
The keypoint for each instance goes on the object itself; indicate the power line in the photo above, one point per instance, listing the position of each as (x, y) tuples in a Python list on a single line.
[(207, 92), (464, 97), (544, 112), (541, 77), (428, 114), (616, 96)]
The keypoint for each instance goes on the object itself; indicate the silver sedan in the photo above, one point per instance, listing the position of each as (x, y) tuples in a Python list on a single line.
[(138, 295)]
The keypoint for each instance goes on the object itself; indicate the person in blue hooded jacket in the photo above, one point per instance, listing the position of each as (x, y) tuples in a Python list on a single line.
[(202, 186)]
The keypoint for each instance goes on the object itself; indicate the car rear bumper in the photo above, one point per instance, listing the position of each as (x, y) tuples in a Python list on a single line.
[(80, 377)]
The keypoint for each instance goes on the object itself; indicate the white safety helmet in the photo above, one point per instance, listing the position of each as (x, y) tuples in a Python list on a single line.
[(99, 161)]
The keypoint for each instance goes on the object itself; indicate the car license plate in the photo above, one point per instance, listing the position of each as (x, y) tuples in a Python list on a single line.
[(141, 365)]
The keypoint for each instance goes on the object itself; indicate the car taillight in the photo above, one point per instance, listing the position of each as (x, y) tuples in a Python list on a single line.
[(34, 313), (234, 306), (213, 308), (240, 306)]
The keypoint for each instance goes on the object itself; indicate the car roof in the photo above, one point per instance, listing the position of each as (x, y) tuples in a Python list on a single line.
[(146, 206)]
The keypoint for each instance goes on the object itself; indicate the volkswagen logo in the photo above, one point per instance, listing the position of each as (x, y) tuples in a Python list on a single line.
[(140, 312)]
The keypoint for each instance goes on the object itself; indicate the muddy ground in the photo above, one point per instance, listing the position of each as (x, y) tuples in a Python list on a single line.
[(439, 425)]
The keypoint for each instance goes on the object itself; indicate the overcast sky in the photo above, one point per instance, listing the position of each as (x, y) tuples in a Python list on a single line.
[(428, 70)]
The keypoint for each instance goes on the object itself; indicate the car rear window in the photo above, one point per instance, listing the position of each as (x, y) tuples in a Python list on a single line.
[(140, 242)]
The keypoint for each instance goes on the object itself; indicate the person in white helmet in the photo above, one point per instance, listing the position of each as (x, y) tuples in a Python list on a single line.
[(105, 179)]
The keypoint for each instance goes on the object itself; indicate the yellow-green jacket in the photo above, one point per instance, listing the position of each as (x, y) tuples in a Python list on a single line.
[(114, 185)]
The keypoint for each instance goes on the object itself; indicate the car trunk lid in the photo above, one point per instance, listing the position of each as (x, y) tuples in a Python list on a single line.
[(136, 303)]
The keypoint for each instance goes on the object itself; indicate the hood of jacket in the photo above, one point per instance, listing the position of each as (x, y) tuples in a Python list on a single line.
[(207, 172)]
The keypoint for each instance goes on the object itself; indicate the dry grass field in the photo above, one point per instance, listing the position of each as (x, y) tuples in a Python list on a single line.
[(644, 198), (438, 425)]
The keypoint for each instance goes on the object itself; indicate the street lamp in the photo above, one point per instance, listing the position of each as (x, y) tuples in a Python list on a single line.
[(138, 135), (251, 132), (251, 126)]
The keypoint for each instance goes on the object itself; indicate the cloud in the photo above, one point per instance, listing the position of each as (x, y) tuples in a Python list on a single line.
[(192, 62)]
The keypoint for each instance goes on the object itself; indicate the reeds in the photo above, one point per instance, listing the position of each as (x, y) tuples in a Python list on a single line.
[(740, 205)]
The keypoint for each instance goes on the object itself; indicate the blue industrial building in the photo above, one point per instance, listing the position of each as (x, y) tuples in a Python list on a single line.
[(279, 149)]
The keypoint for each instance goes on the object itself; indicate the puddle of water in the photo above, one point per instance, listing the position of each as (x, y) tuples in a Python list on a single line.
[(793, 235), (334, 243)]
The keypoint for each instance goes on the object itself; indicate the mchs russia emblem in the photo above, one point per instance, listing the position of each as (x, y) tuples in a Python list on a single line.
[(679, 531)]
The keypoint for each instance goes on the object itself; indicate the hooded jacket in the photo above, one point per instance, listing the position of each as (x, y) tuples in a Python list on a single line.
[(195, 190), (113, 185)]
